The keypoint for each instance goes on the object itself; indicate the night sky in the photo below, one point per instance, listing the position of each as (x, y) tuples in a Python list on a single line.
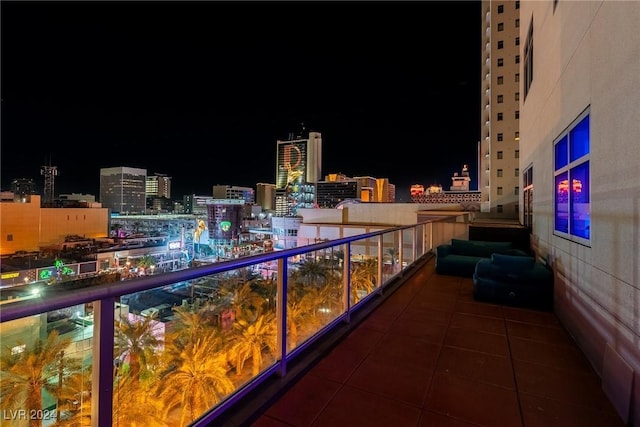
[(201, 91)]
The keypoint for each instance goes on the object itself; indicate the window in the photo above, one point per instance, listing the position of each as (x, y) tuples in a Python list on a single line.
[(572, 180), (517, 115), (528, 60), (499, 172), (527, 184), (499, 191), (9, 237), (500, 99), (518, 23), (517, 78), (500, 8), (517, 96), (517, 4), (499, 208), (499, 154), (499, 117), (517, 154), (501, 26), (517, 136), (517, 41), (516, 190), (517, 59), (500, 62), (500, 44), (516, 208), (500, 137), (500, 80), (516, 172)]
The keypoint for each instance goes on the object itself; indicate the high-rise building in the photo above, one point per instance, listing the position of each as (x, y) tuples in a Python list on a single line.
[(499, 146), (266, 196), (158, 185), (122, 189), (298, 169), (234, 192), (335, 189)]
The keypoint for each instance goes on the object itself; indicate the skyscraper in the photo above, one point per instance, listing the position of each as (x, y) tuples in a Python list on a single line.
[(158, 185), (298, 169), (122, 189), (500, 103)]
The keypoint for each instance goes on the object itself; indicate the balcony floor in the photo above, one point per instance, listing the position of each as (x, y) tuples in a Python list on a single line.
[(430, 355)]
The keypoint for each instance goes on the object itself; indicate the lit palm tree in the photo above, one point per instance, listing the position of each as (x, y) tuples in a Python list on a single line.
[(241, 297), (363, 278), (25, 375), (311, 272), (252, 338), (134, 404), (190, 324), (65, 367), (77, 390), (136, 340), (196, 379)]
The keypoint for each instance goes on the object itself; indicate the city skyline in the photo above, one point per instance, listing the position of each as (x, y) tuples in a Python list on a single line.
[(202, 94)]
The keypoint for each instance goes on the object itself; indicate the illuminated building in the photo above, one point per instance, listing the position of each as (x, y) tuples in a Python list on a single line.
[(458, 193), (29, 227), (158, 185), (266, 196), (499, 146), (234, 192), (224, 217), (123, 189), (298, 168)]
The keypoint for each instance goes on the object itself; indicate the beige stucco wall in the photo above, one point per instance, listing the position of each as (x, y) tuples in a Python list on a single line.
[(32, 227), (19, 226), (587, 55), (57, 223)]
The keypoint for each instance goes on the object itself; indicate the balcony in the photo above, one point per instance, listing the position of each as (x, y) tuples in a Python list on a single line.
[(354, 331), (431, 355), (128, 341)]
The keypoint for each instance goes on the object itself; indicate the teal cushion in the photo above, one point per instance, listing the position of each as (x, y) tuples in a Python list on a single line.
[(478, 248), (512, 262)]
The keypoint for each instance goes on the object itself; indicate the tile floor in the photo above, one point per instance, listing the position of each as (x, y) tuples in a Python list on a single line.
[(430, 355)]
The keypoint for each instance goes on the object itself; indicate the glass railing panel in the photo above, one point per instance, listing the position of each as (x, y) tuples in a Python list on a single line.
[(408, 245), (45, 373), (390, 255), (211, 335), (364, 268), (315, 289)]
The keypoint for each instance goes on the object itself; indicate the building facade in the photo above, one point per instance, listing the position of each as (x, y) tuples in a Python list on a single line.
[(498, 172), (579, 127), (158, 185), (29, 227), (298, 169), (266, 196), (235, 192), (123, 189)]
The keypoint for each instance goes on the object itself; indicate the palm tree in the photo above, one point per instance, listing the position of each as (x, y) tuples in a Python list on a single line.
[(363, 278), (241, 297), (66, 367), (77, 390), (134, 405), (25, 375), (136, 340), (252, 338), (190, 324), (196, 379), (311, 272)]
